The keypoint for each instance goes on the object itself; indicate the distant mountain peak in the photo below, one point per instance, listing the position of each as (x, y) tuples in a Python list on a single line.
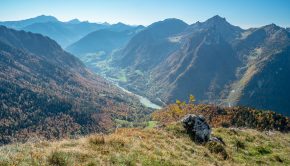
[(26, 22), (217, 17), (217, 20), (74, 21), (173, 20), (119, 23), (168, 22), (271, 26), (214, 22), (105, 23), (276, 32), (218, 25), (44, 18)]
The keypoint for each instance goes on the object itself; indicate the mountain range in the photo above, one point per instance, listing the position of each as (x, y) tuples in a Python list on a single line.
[(104, 40), (47, 92), (214, 60), (64, 33), (171, 93), (18, 25), (217, 62)]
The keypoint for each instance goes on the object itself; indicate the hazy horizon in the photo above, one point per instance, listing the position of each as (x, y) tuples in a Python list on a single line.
[(245, 14)]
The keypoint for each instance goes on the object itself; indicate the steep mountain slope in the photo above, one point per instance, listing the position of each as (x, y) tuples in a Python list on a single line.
[(213, 60), (204, 65), (269, 87), (197, 59), (47, 92), (23, 23), (264, 79), (105, 40), (150, 46)]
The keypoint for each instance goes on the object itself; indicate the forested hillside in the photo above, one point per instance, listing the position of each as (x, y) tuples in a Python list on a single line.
[(47, 92)]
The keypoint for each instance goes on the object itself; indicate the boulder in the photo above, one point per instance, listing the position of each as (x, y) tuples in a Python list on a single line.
[(197, 128)]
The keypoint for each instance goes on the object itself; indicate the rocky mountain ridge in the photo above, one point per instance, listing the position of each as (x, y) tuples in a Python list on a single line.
[(213, 60)]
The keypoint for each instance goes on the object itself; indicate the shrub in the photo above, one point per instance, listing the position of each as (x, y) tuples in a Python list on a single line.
[(250, 138), (239, 145), (4, 163), (58, 159), (263, 150), (278, 158), (191, 99), (218, 148), (117, 141), (92, 164), (97, 139), (177, 129), (225, 124)]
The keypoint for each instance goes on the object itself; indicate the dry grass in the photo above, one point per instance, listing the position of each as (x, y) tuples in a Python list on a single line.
[(165, 146)]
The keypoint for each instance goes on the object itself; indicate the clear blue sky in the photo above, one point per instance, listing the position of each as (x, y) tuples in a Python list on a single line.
[(244, 13)]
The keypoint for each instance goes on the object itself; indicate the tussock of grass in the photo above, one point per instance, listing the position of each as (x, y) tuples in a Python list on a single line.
[(219, 149), (154, 147), (97, 139), (58, 159)]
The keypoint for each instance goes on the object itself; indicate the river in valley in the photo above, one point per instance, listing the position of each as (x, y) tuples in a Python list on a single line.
[(143, 100)]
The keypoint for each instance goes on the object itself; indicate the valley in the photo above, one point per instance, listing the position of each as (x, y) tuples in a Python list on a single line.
[(99, 63), (217, 62), (137, 91), (143, 100)]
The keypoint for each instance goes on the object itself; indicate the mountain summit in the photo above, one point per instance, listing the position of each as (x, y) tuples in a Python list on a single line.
[(23, 23), (74, 21), (220, 25), (217, 20)]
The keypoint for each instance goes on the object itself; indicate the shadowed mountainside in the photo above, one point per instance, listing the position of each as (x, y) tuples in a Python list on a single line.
[(217, 62)]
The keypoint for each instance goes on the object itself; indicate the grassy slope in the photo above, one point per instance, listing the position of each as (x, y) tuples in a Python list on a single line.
[(153, 146)]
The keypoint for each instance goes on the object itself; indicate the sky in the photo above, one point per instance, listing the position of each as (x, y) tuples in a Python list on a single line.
[(243, 13)]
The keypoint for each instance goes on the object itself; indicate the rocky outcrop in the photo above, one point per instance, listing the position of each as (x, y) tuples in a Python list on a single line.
[(197, 128), (200, 133)]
